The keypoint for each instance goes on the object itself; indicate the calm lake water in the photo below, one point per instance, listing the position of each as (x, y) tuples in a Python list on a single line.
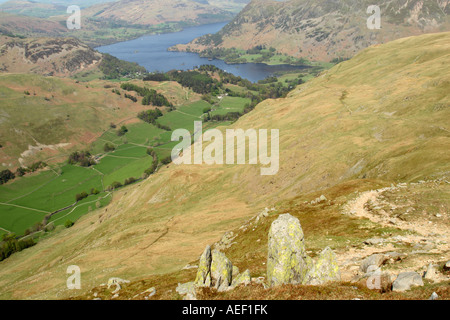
[(151, 52)]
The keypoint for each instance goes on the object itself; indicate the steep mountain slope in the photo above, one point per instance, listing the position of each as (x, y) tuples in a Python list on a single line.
[(324, 29), (51, 56), (381, 115)]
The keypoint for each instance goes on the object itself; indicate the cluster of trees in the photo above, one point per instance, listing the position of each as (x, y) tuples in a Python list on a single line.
[(150, 96), (166, 160), (84, 194), (229, 55), (230, 116), (338, 60), (114, 68), (131, 97), (83, 158), (10, 245), (21, 171), (81, 196), (150, 116), (154, 165), (156, 77), (6, 175), (195, 80), (116, 184)]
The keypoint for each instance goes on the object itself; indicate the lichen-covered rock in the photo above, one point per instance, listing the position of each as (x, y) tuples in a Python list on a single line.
[(286, 252), (406, 280), (242, 278), (221, 271), (203, 278), (325, 269)]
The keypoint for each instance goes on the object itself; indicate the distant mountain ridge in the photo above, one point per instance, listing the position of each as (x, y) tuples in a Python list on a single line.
[(324, 29), (47, 56), (158, 11)]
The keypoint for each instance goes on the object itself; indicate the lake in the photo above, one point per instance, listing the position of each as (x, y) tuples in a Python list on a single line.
[(150, 51)]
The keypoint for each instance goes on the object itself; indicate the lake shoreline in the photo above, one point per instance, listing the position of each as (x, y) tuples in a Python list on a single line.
[(152, 52)]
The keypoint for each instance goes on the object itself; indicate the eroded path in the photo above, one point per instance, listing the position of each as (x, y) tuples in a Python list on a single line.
[(419, 210)]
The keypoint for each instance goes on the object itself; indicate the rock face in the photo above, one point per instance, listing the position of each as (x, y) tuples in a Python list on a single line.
[(374, 260), (406, 280), (203, 277), (221, 271), (286, 260), (325, 269), (431, 273), (214, 270), (243, 278)]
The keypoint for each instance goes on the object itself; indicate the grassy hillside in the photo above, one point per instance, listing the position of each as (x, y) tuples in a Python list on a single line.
[(41, 115), (377, 119)]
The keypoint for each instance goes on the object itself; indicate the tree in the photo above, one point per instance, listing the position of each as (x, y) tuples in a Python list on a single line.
[(122, 131), (81, 196), (6, 175), (108, 147), (68, 223)]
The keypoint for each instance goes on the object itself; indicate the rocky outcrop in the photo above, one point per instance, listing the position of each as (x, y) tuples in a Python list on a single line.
[(431, 273), (407, 280), (215, 270), (287, 261), (325, 269), (117, 282), (242, 278), (203, 277), (221, 271), (286, 258), (375, 260)]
